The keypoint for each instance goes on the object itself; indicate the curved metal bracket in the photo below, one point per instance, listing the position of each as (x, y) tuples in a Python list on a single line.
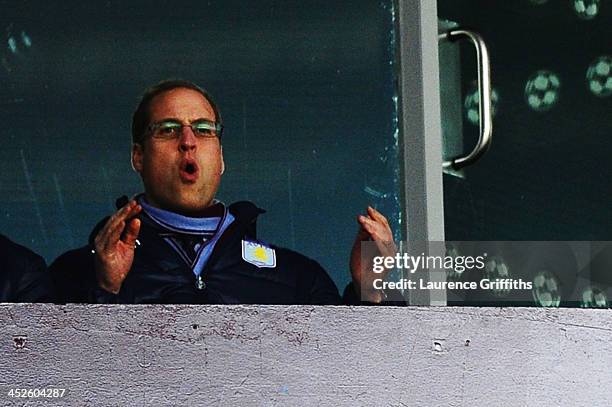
[(485, 109)]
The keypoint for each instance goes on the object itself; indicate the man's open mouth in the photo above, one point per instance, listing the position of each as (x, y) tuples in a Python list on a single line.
[(189, 171), (190, 168)]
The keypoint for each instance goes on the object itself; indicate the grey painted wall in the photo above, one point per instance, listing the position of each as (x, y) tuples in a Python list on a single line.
[(302, 356)]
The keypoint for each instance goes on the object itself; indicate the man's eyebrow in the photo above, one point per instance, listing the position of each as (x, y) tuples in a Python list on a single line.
[(168, 119), (174, 119)]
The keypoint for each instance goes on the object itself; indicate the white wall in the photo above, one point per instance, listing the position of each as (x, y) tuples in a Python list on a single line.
[(306, 356)]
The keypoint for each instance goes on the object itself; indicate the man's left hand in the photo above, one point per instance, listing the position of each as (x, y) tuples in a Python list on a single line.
[(373, 227)]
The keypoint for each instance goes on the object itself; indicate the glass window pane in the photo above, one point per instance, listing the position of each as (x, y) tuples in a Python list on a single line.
[(306, 90), (547, 174)]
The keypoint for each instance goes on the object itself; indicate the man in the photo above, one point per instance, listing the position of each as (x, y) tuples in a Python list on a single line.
[(177, 244), (23, 275)]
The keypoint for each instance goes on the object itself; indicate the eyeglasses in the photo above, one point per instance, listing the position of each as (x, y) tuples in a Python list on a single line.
[(171, 129)]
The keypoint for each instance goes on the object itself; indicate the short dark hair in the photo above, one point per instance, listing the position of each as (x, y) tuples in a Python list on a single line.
[(141, 117)]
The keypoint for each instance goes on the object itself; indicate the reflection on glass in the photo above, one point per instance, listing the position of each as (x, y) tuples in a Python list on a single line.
[(453, 274), (546, 289), (586, 9), (12, 45), (27, 41), (16, 43), (497, 269), (593, 297), (542, 90), (518, 191), (472, 104), (599, 76)]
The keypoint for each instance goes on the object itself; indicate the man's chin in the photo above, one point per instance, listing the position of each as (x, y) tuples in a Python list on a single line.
[(191, 208), (184, 201)]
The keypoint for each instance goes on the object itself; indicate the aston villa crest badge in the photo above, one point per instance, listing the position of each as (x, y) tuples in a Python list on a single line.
[(258, 254)]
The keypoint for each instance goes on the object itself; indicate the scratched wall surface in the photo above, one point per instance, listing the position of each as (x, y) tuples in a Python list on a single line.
[(306, 356), (305, 88)]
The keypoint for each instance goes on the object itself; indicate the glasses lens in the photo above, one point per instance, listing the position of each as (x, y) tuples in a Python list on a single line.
[(205, 128), (166, 129), (172, 129)]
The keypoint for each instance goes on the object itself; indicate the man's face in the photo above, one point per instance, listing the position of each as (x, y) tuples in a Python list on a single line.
[(180, 174)]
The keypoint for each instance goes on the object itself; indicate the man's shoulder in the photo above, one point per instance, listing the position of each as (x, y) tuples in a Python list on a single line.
[(14, 255), (245, 211), (23, 274)]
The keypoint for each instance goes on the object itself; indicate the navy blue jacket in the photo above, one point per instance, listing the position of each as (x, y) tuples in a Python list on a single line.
[(160, 275)]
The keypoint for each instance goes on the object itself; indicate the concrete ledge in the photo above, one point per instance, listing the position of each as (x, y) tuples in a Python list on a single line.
[(107, 355)]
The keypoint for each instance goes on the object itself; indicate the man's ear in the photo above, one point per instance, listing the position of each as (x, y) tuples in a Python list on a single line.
[(137, 157), (222, 162)]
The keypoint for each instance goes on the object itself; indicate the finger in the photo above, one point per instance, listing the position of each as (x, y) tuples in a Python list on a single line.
[(113, 222), (374, 214), (115, 228), (377, 230), (114, 234), (102, 243), (128, 210), (383, 225), (131, 232), (101, 240), (132, 209), (366, 220), (368, 225), (133, 212)]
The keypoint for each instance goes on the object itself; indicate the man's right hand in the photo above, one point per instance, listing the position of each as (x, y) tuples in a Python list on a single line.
[(114, 247)]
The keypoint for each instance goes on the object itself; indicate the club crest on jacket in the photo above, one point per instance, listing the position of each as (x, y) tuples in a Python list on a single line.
[(258, 254)]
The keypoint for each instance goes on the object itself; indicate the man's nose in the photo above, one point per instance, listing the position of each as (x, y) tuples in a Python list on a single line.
[(187, 141)]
